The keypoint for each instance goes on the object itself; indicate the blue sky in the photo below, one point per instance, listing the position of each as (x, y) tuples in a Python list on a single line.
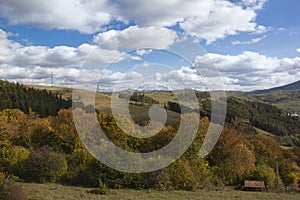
[(255, 44)]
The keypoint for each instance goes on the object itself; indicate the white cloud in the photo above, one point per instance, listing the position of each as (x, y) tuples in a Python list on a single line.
[(34, 64), (7, 47), (64, 56), (251, 70), (136, 38), (84, 16), (298, 50), (84, 78), (247, 71), (143, 52), (60, 56), (183, 78), (214, 25), (252, 41), (204, 19), (161, 12), (262, 29)]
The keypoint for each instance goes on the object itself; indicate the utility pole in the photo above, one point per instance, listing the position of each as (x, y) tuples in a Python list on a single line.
[(52, 83), (277, 175), (143, 97)]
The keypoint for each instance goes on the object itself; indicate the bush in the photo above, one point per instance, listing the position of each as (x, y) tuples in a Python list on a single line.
[(182, 176), (80, 169), (9, 190), (45, 165), (265, 173), (15, 159), (103, 189)]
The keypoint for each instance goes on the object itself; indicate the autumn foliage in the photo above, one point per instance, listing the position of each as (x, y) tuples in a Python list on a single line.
[(49, 150)]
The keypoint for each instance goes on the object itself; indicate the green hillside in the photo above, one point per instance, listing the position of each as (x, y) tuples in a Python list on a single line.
[(287, 100)]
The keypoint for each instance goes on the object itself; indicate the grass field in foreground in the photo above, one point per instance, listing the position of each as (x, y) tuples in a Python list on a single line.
[(55, 191)]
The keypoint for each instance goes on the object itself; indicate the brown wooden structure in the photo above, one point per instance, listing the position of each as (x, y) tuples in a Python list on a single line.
[(254, 185)]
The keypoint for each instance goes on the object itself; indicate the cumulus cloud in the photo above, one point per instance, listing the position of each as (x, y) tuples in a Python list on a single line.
[(247, 71), (107, 80), (84, 16), (136, 38), (298, 50), (7, 47), (205, 20), (34, 64), (183, 78), (251, 70), (59, 56), (202, 19)]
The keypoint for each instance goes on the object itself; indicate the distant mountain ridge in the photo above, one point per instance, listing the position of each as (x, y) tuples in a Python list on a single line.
[(291, 86)]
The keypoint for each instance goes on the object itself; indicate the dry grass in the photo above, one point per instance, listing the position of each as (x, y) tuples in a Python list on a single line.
[(66, 93), (55, 191)]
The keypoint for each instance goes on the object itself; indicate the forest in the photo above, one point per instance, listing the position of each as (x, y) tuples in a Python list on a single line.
[(45, 148), (17, 96)]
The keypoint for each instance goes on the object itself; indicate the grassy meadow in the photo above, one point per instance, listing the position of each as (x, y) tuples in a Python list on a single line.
[(55, 191)]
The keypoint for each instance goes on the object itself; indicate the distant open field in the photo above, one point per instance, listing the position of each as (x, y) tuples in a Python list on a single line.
[(286, 100), (55, 191), (64, 91)]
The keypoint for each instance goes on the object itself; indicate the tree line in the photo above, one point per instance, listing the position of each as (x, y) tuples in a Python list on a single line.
[(137, 97), (17, 96)]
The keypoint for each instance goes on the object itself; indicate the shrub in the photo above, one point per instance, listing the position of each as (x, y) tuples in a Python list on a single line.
[(9, 190), (80, 169), (160, 180), (265, 173), (103, 189), (45, 165), (16, 161), (182, 176)]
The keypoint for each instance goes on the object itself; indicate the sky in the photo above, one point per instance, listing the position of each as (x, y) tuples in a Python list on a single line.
[(121, 44)]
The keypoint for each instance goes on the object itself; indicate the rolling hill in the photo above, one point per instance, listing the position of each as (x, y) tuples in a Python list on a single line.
[(291, 86), (286, 97), (264, 111)]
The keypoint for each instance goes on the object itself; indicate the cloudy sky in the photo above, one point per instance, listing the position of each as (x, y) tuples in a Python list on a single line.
[(253, 44)]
